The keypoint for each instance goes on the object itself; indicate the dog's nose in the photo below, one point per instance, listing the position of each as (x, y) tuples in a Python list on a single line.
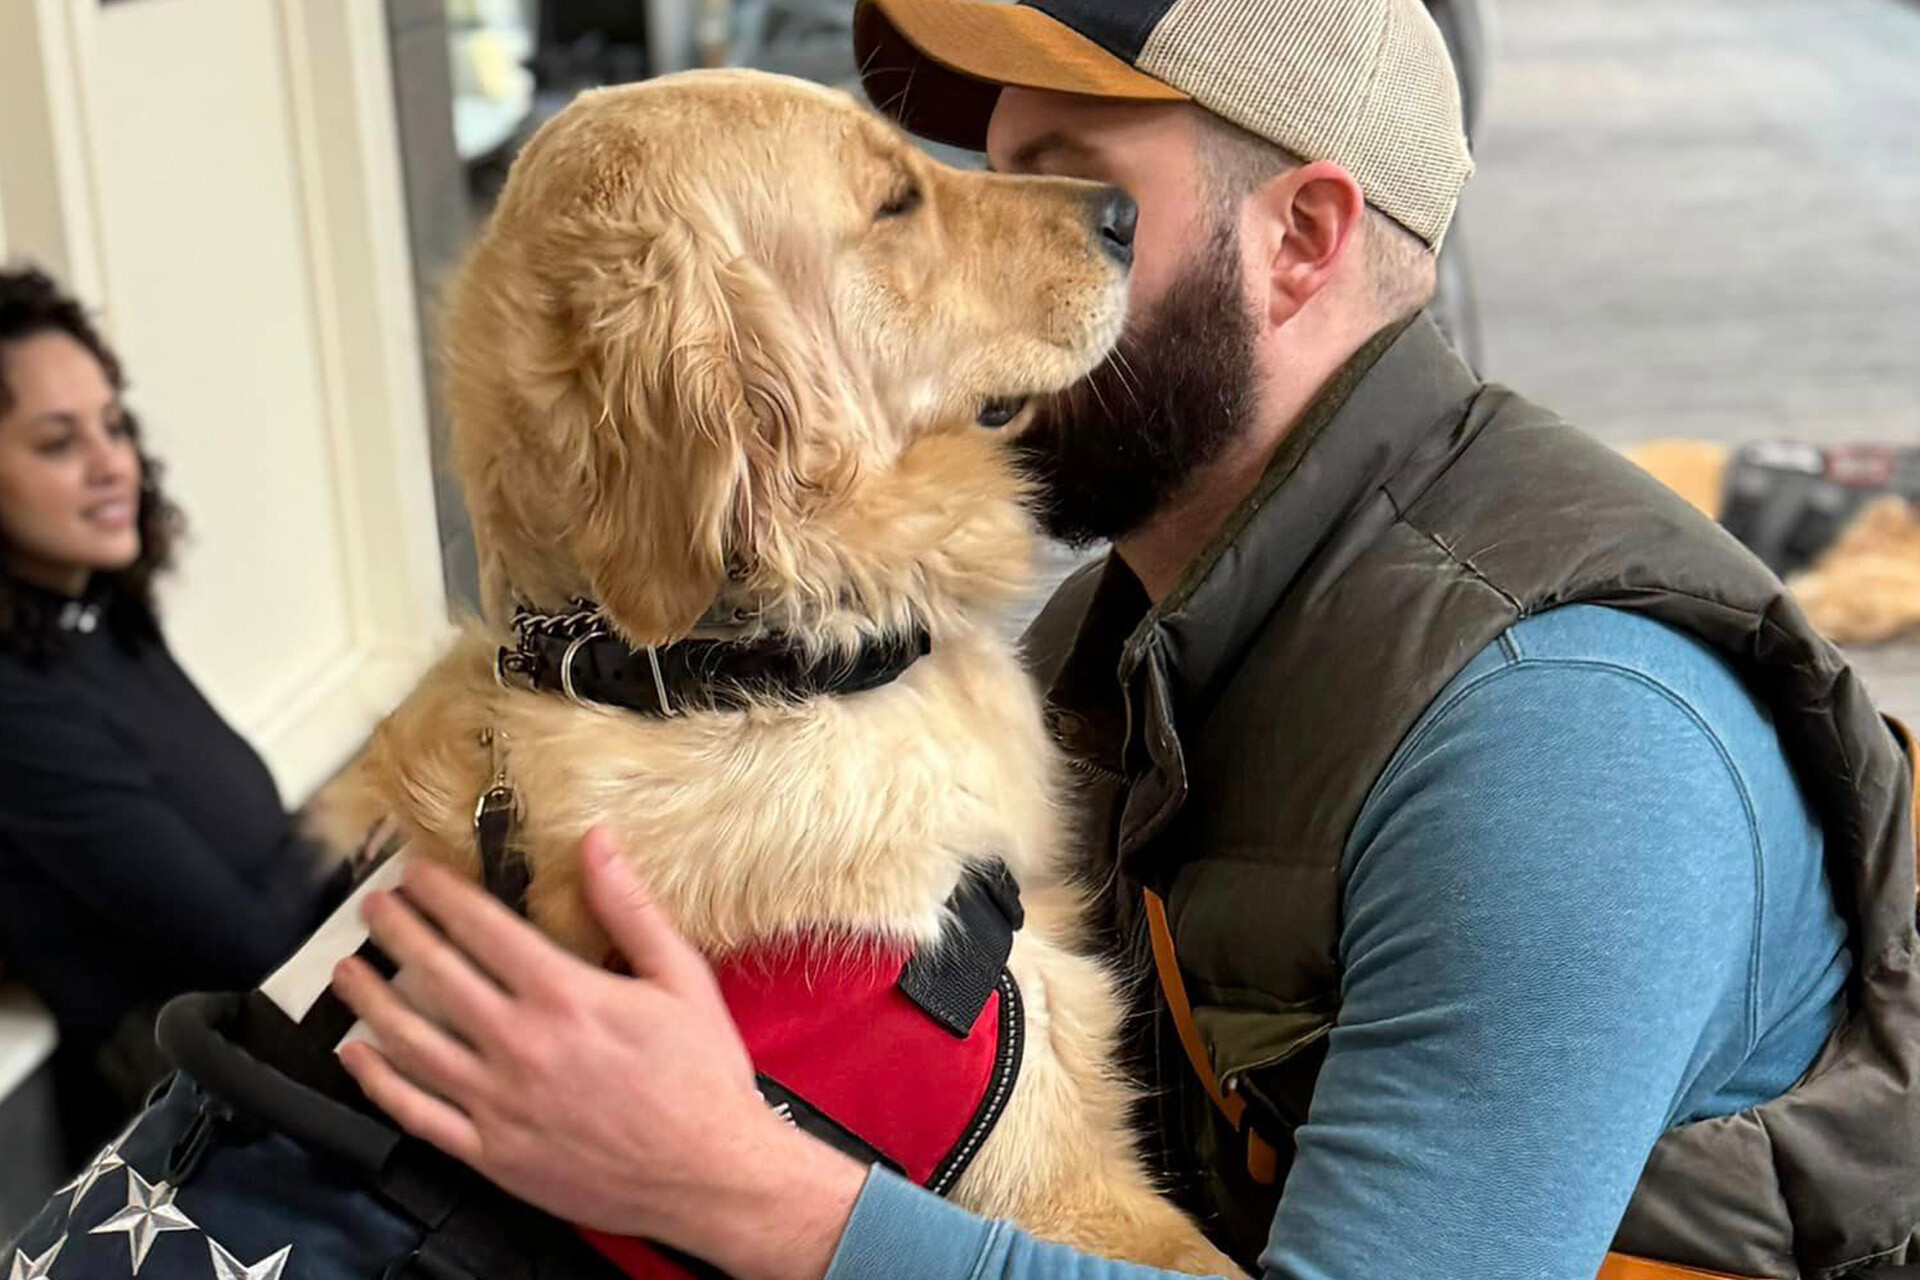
[(1116, 217)]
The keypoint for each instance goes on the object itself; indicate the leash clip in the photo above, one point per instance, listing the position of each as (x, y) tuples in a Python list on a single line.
[(503, 870), (499, 797)]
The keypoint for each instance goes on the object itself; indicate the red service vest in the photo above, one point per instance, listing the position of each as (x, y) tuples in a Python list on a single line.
[(846, 1053)]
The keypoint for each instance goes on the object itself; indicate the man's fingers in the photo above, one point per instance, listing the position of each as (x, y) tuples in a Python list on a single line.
[(412, 1108), (469, 1001), (516, 956), (427, 1054), (633, 920)]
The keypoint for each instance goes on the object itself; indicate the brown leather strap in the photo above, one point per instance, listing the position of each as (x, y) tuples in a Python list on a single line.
[(1174, 987), (1619, 1266), (1262, 1162)]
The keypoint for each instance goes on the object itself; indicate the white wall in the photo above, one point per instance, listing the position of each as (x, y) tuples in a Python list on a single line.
[(222, 178), (215, 316)]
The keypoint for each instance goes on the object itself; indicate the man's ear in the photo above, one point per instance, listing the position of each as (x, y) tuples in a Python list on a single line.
[(1309, 221)]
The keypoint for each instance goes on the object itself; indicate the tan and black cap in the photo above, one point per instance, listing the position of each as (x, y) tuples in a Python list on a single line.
[(1367, 84)]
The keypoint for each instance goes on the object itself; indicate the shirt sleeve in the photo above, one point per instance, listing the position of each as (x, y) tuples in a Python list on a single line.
[(1549, 925), (1549, 915), (93, 821), (900, 1232)]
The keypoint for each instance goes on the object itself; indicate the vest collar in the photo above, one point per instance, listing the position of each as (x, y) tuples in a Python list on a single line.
[(1370, 418)]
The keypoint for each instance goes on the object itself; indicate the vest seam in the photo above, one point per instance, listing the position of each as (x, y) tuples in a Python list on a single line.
[(1780, 1187), (1400, 515), (1750, 1006)]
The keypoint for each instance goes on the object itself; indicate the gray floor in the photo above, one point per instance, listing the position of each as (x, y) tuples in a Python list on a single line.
[(1703, 219)]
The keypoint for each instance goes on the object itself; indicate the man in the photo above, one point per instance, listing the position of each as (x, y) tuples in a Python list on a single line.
[(1540, 884)]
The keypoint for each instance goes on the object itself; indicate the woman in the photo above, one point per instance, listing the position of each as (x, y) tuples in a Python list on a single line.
[(143, 849)]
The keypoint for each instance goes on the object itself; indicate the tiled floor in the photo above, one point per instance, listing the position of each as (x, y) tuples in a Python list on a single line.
[(1703, 219)]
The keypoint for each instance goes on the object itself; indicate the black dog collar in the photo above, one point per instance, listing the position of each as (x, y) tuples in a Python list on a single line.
[(578, 655)]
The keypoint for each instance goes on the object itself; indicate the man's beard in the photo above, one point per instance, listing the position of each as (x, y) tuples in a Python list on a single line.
[(1110, 452)]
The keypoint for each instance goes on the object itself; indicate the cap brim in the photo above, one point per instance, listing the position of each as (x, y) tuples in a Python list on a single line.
[(937, 66)]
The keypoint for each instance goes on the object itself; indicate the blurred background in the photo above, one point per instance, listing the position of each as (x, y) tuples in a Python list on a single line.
[(1695, 220)]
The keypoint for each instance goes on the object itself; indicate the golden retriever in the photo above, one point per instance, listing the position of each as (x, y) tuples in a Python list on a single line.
[(1863, 589), (722, 352)]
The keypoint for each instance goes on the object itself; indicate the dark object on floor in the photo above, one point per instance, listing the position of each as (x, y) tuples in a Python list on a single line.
[(1789, 502)]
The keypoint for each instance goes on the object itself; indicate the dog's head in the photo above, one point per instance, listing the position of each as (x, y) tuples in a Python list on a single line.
[(718, 321)]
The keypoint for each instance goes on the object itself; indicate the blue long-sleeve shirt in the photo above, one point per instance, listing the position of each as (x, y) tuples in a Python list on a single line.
[(1584, 903)]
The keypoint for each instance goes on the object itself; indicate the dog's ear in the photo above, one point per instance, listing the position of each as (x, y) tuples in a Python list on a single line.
[(685, 429)]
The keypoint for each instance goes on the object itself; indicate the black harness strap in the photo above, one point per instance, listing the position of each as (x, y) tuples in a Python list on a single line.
[(251, 1059), (811, 1120), (953, 980)]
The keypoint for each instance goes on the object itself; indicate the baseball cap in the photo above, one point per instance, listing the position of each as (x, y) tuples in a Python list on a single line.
[(1366, 84)]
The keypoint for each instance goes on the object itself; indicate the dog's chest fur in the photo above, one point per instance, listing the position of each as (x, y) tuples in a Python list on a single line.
[(849, 815)]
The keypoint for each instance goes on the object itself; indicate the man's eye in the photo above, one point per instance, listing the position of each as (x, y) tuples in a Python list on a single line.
[(901, 203)]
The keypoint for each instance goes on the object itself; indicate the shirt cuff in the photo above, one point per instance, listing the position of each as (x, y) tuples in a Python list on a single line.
[(898, 1229)]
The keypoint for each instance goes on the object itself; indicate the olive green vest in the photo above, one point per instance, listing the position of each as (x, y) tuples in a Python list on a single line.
[(1231, 735)]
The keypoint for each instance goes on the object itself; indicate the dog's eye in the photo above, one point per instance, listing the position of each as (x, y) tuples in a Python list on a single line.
[(901, 203)]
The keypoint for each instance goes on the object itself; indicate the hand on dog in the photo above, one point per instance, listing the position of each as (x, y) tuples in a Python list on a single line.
[(623, 1104)]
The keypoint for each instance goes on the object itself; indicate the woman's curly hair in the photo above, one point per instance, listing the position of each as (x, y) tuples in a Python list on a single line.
[(32, 304)]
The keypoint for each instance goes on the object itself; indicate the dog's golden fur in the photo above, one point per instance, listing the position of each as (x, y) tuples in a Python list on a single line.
[(717, 360), (1864, 589)]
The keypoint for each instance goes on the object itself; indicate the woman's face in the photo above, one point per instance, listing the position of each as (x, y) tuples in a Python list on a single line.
[(69, 472)]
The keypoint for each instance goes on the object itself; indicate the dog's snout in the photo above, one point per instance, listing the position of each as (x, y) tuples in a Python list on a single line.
[(1116, 217)]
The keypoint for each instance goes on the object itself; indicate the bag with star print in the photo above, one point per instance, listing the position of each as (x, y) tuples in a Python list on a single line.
[(170, 1200), (241, 1170)]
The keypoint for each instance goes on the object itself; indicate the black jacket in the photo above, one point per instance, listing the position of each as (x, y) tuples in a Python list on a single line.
[(144, 851)]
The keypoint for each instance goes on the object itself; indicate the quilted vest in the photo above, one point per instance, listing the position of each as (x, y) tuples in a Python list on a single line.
[(1230, 736)]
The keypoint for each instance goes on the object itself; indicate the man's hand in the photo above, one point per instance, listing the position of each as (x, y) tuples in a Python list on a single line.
[(624, 1104)]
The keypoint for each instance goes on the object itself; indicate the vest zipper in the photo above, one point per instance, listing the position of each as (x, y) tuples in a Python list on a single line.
[(1091, 769)]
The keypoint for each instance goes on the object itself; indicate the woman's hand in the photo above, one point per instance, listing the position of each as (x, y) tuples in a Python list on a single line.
[(624, 1104)]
